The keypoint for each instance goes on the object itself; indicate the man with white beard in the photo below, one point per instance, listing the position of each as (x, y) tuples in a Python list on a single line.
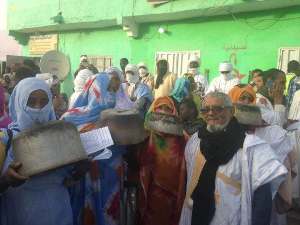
[(225, 81), (225, 167)]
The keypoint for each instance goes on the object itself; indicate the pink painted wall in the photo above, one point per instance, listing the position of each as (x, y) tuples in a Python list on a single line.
[(8, 46)]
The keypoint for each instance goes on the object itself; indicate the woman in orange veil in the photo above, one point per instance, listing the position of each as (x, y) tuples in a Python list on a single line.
[(162, 172)]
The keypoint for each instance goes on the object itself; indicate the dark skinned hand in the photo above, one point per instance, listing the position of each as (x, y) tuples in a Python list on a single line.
[(12, 176)]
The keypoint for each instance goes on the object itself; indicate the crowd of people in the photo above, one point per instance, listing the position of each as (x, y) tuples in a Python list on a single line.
[(218, 153)]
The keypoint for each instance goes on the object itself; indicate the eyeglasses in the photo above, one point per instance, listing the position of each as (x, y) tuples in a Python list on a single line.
[(214, 109), (225, 72)]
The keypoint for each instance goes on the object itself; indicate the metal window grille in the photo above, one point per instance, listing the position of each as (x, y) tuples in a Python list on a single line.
[(100, 62), (178, 60), (285, 55)]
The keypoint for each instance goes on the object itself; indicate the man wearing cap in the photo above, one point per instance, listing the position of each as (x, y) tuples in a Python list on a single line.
[(225, 81), (138, 92), (225, 168), (145, 76), (200, 80)]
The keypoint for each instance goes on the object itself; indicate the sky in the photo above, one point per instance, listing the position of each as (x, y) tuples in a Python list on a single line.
[(10, 46), (3, 14)]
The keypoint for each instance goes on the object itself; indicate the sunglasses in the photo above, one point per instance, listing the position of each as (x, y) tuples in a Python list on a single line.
[(214, 109)]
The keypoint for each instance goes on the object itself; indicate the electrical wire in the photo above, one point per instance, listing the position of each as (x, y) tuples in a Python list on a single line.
[(254, 26)]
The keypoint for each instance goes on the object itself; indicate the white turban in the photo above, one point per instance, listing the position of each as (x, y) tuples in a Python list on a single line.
[(225, 66), (193, 70), (194, 58)]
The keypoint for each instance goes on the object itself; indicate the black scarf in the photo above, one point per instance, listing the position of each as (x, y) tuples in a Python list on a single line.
[(192, 127), (218, 149)]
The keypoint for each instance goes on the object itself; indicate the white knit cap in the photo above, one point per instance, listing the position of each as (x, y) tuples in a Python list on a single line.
[(225, 66)]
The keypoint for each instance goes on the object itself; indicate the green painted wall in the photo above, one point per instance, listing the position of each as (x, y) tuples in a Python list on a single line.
[(37, 13), (108, 42), (263, 33)]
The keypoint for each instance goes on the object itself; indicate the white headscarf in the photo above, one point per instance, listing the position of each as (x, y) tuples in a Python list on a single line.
[(194, 58), (79, 82), (142, 69), (81, 78), (23, 116), (134, 78), (226, 66), (194, 71)]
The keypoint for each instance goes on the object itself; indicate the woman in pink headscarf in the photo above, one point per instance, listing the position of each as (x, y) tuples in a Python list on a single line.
[(4, 119)]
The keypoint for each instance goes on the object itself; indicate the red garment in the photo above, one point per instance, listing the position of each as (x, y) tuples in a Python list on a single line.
[(163, 178)]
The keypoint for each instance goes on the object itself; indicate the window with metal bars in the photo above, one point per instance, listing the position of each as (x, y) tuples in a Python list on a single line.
[(285, 55), (178, 60), (100, 62)]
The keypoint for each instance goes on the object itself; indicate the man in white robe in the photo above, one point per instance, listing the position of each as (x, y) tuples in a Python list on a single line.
[(253, 165), (225, 81), (294, 130), (283, 145), (200, 80)]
